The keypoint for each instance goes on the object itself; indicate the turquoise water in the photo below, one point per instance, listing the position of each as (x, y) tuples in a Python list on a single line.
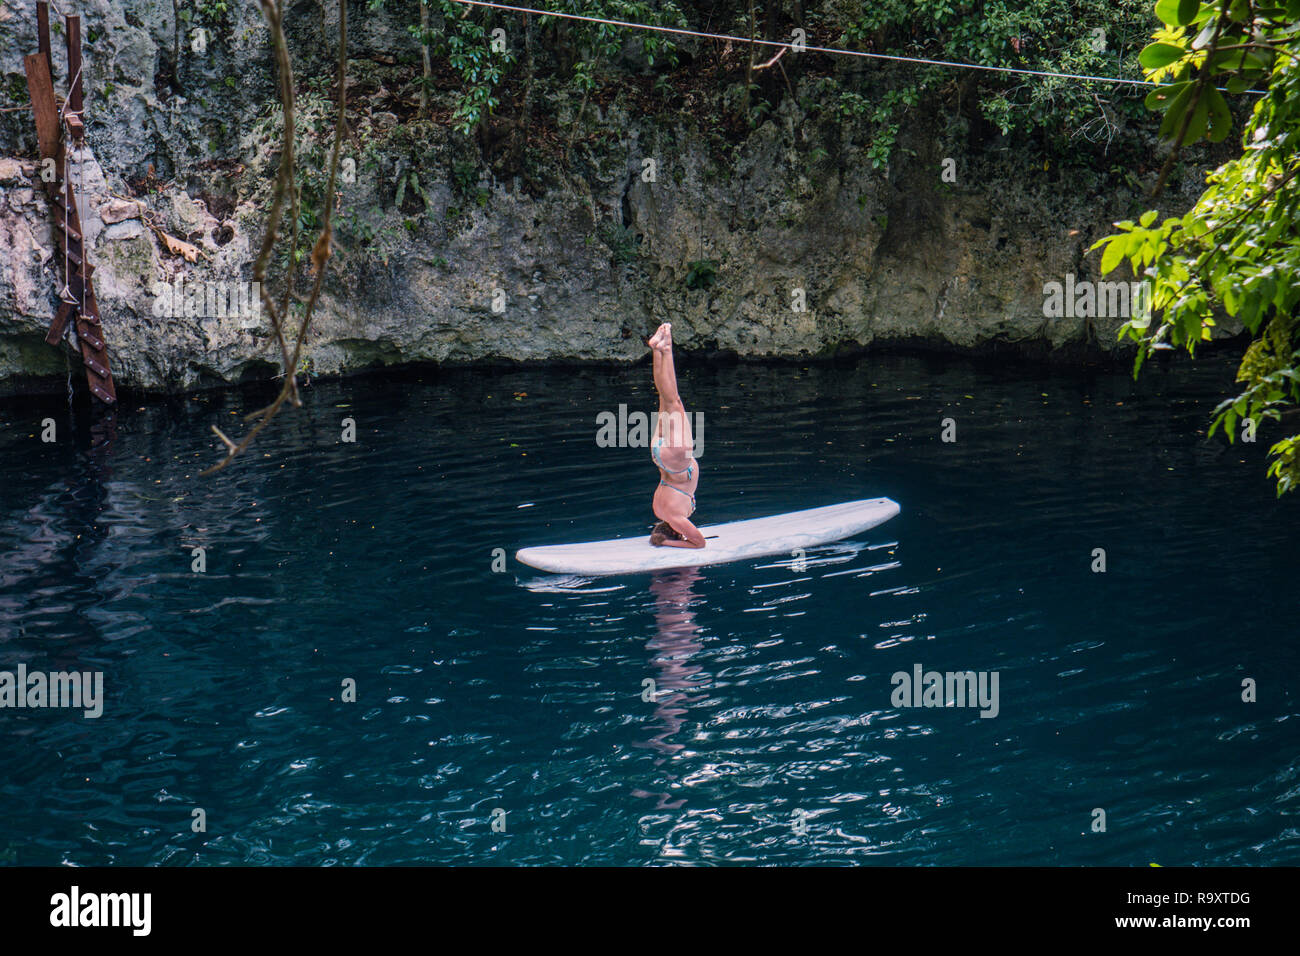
[(773, 738)]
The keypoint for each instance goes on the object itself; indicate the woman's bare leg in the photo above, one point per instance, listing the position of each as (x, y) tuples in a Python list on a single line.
[(671, 406), (666, 378)]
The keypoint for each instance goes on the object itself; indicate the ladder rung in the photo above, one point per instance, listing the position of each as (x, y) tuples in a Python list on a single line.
[(60, 324), (59, 202), (101, 386)]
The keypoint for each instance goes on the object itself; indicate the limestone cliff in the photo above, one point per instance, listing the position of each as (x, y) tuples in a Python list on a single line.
[(625, 219)]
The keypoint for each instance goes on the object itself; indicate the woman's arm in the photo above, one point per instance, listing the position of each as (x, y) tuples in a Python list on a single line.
[(692, 535)]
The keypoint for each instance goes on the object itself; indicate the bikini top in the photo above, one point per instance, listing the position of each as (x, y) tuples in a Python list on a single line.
[(689, 470)]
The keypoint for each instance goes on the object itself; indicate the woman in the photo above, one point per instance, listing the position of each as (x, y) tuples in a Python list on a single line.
[(670, 447)]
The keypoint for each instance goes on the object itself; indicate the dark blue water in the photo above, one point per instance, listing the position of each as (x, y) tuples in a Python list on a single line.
[(518, 691)]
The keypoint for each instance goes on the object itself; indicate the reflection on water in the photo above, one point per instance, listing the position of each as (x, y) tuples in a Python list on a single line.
[(675, 640)]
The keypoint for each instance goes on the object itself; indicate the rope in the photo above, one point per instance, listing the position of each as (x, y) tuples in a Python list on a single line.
[(72, 85), (72, 198), (819, 49), (66, 294)]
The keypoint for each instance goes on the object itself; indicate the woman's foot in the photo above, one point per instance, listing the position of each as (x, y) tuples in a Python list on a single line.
[(662, 340)]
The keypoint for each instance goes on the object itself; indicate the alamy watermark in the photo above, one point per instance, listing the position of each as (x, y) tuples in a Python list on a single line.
[(1096, 300), (637, 429), (74, 909), (209, 300), (948, 689), (77, 690)]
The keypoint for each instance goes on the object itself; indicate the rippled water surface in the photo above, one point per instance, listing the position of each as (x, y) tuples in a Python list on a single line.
[(772, 739)]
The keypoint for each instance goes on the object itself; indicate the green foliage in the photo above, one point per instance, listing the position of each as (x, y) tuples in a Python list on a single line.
[(701, 274), (760, 110), (466, 38), (468, 44), (362, 230), (604, 41), (885, 115), (1048, 35), (212, 11), (1237, 250), (407, 178), (622, 241), (464, 177), (315, 124)]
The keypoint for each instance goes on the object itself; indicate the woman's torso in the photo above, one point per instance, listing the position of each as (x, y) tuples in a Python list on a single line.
[(677, 466)]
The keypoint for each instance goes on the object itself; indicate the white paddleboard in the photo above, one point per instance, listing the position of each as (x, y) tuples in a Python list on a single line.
[(733, 541)]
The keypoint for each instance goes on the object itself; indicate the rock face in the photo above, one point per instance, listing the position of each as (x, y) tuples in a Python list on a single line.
[(131, 259), (790, 244)]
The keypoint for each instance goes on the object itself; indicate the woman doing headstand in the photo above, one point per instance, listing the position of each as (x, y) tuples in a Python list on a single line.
[(671, 448)]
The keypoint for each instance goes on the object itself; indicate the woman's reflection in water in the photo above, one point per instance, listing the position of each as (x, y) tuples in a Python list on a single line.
[(672, 647)]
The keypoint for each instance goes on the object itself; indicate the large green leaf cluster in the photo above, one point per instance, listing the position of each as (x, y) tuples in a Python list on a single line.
[(1236, 252)]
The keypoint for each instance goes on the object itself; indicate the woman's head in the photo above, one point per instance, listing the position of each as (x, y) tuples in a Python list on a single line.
[(664, 531)]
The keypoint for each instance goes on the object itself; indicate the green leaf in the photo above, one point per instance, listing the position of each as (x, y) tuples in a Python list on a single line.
[(1162, 96), (1147, 218), (1177, 13), (1220, 115), (1200, 118), (1233, 61), (1157, 55), (1113, 255), (1174, 115), (1167, 10)]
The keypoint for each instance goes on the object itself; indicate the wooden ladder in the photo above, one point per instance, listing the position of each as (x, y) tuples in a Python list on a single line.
[(78, 305)]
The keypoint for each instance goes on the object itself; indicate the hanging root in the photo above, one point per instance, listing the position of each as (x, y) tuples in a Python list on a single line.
[(285, 185)]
